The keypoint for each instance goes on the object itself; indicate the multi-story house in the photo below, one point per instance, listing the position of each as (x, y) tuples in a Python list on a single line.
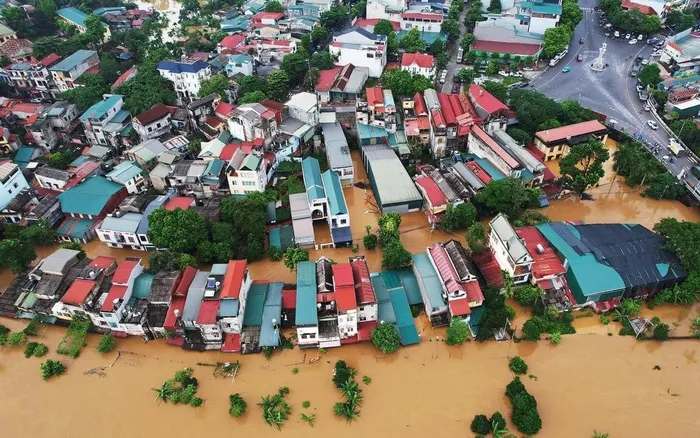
[(419, 64), (66, 72), (142, 230), (186, 76), (200, 178), (50, 128), (81, 298), (555, 143), (315, 192), (253, 120), (338, 152), (173, 319), (510, 252), (361, 48), (233, 299), (367, 306), (423, 21), (207, 322), (438, 125), (34, 77), (306, 316), (533, 17), (121, 230), (43, 134), (434, 202), (115, 304), (240, 64), (47, 211), (247, 173), (76, 17), (104, 122), (483, 146), (493, 112), (386, 9), (346, 300), (304, 107), (130, 175), (12, 181), (61, 180), (153, 123), (338, 215)]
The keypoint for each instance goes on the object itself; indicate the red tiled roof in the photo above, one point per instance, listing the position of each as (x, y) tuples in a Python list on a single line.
[(371, 22), (124, 77), (16, 47), (474, 293), (224, 109), (326, 78), (102, 262), (562, 133), (25, 107), (644, 9), (49, 59), (268, 16), (486, 100), (491, 143), (411, 127), (228, 151), (456, 105), (424, 16), (547, 263), (364, 291), (364, 330), (503, 47), (681, 95), (375, 96), (289, 299), (232, 343), (235, 273), (115, 292), (438, 119), (213, 121), (281, 43), (78, 291), (156, 112), (232, 41), (81, 172), (419, 105), (185, 281), (432, 191), (459, 307), (421, 59), (479, 172), (177, 304), (446, 108), (445, 269), (208, 311), (344, 286), (123, 272), (182, 202)]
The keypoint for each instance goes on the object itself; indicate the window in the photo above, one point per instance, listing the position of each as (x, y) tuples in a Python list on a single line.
[(103, 323), (113, 325)]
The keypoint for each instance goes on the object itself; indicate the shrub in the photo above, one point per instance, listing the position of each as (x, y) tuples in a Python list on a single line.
[(29, 349), (295, 370), (517, 365), (106, 343), (528, 295), (556, 338), (458, 332), (661, 332), (15, 339), (366, 380), (237, 405), (532, 329), (630, 307), (308, 419), (385, 338), (343, 372), (525, 415), (275, 253), (370, 241), (481, 425), (51, 368), (306, 404), (31, 328), (40, 350), (497, 421)]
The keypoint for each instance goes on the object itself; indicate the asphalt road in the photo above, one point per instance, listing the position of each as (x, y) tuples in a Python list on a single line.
[(453, 67), (611, 92)]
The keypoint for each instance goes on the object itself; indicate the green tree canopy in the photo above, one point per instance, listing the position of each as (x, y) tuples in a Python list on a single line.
[(494, 7), (335, 18), (582, 167), (413, 42), (508, 196), (680, 20), (385, 338), (146, 89), (278, 86), (402, 83), (109, 68), (497, 89), (450, 28), (179, 230), (383, 27), (216, 84), (458, 332), (322, 60), (395, 256), (295, 65), (16, 254), (273, 6), (89, 94), (292, 257), (320, 35), (649, 75), (249, 84), (476, 237), (556, 39), (460, 217), (571, 14), (252, 97)]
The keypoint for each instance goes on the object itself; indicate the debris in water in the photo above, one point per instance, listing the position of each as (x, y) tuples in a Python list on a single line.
[(99, 372), (657, 368)]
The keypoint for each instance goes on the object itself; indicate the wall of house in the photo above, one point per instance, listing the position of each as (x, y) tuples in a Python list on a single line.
[(423, 26), (482, 150), (539, 25), (14, 184), (365, 56), (500, 253), (367, 312), (50, 183), (307, 336), (416, 70), (154, 129), (347, 323)]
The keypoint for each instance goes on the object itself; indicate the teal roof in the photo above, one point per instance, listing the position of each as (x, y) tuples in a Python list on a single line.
[(542, 8), (23, 156), (120, 116), (272, 311), (306, 313), (75, 228), (89, 197), (238, 23), (212, 172), (228, 308), (253, 312), (385, 309), (404, 319), (275, 238), (334, 192), (428, 37), (75, 16), (98, 110), (282, 237), (410, 285), (124, 171), (493, 172), (78, 161), (431, 282), (142, 285), (303, 7), (73, 60), (102, 11), (312, 179), (369, 131)]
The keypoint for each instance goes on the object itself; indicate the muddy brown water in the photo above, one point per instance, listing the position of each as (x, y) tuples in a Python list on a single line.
[(590, 381)]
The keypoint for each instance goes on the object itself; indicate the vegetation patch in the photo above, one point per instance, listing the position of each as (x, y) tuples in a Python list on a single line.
[(35, 349), (458, 332), (74, 339), (182, 388), (237, 405), (275, 409), (525, 415), (517, 365), (344, 380), (547, 320), (386, 338), (495, 315), (16, 339), (106, 343), (52, 368)]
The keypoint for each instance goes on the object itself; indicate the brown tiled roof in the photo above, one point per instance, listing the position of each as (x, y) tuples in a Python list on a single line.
[(156, 112), (583, 128)]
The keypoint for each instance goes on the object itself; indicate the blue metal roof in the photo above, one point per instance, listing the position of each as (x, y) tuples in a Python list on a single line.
[(334, 193), (341, 235), (410, 285), (493, 172), (75, 16), (78, 161), (431, 282), (272, 310), (124, 172), (98, 110), (89, 197), (253, 312), (311, 171), (386, 310), (156, 203), (142, 285), (370, 131), (306, 313), (228, 308), (182, 67), (24, 155), (75, 228), (102, 11), (404, 319), (73, 60)]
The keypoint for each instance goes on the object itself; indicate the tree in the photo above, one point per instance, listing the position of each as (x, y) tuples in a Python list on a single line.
[(450, 28), (195, 146), (250, 84), (109, 68), (402, 83), (185, 261), (458, 332), (360, 9), (311, 79), (582, 167), (494, 7), (370, 241), (296, 65), (17, 19), (51, 368), (652, 23), (467, 41), (520, 136), (39, 234), (75, 246), (89, 94), (163, 261), (548, 124), (395, 256), (45, 46), (661, 332), (649, 75), (335, 18), (492, 69), (278, 86), (412, 41), (106, 343), (556, 39), (273, 6), (61, 160), (517, 365), (179, 230), (571, 14), (237, 405), (533, 329), (497, 89), (147, 88), (481, 425), (679, 20), (216, 84), (292, 257), (320, 36), (458, 218), (466, 76), (508, 196), (392, 45), (322, 60), (528, 295), (94, 30), (253, 97), (476, 237), (385, 338), (575, 113), (16, 254), (383, 27)]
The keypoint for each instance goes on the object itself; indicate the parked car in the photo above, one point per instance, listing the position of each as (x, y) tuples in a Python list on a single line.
[(566, 69), (647, 107), (640, 37), (580, 41), (652, 124), (640, 87), (628, 36), (617, 34), (645, 62), (632, 41)]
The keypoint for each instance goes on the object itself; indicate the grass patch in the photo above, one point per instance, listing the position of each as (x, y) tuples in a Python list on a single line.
[(74, 339)]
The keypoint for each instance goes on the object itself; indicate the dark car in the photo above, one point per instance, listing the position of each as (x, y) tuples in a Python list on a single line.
[(455, 88)]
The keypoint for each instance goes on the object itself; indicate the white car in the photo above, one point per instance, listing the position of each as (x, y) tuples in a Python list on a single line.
[(652, 124), (645, 61), (639, 88), (639, 38), (633, 41), (647, 107), (612, 122), (628, 36), (617, 34)]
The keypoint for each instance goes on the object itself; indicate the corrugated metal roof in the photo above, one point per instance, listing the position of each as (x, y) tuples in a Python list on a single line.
[(89, 197), (254, 305), (306, 294), (334, 192), (195, 293), (272, 311), (426, 274), (390, 178), (312, 179), (337, 149), (505, 232), (404, 319), (128, 223)]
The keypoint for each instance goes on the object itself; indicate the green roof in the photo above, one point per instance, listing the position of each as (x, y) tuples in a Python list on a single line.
[(404, 319), (75, 228), (24, 155), (254, 305), (124, 171), (410, 285), (592, 277), (73, 60), (89, 197), (370, 131), (312, 179), (385, 309), (142, 285), (272, 311), (542, 8), (98, 110), (334, 192), (306, 313)]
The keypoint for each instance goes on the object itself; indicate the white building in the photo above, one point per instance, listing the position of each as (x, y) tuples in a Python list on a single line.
[(130, 175), (66, 72), (114, 305), (528, 16), (242, 64), (246, 173), (105, 121), (423, 21), (121, 231), (483, 146), (234, 295), (361, 48), (153, 123), (346, 300), (419, 64), (253, 120), (186, 76), (13, 181), (338, 152), (386, 9), (510, 252), (304, 107)]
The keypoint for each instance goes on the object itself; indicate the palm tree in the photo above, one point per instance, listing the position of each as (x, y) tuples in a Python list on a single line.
[(597, 434), (368, 229), (165, 392), (499, 430)]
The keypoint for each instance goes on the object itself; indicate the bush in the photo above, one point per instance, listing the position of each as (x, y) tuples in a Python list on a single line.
[(458, 332), (306, 404), (481, 425), (343, 373), (532, 329), (237, 405), (528, 295), (517, 365), (275, 253), (385, 338), (525, 415), (15, 339), (556, 338), (51, 368), (370, 241), (661, 332), (40, 350), (29, 349), (106, 343), (497, 421), (31, 328)]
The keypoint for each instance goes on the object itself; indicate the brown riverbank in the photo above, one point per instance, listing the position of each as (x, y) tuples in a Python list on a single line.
[(588, 382)]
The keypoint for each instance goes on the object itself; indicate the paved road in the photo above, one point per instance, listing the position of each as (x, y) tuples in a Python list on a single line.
[(453, 67), (612, 91)]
